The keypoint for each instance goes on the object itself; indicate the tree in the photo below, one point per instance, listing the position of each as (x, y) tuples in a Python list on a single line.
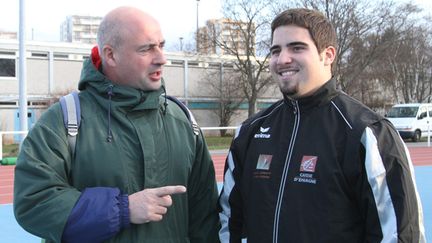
[(383, 51), (243, 33), (185, 44), (358, 25), (415, 67), (406, 66), (222, 82), (363, 29)]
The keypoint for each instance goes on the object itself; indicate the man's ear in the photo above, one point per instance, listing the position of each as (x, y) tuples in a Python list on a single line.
[(108, 54), (329, 55)]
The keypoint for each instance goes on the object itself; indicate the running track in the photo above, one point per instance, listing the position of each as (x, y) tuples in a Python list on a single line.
[(421, 156)]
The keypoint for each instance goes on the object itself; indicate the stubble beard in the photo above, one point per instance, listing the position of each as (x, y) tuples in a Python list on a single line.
[(148, 84), (287, 89)]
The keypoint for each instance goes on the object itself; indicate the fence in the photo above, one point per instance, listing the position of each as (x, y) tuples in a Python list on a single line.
[(25, 133), (217, 128), (202, 128)]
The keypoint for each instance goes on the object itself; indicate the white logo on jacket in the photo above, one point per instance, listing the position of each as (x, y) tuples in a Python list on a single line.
[(263, 133), (264, 130)]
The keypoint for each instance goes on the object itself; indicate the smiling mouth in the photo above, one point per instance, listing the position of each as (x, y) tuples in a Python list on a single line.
[(288, 73)]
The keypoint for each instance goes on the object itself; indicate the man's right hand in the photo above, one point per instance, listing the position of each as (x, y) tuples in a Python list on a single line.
[(151, 204)]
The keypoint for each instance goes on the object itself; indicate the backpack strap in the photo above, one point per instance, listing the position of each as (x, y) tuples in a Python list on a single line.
[(188, 113), (71, 108), (70, 105)]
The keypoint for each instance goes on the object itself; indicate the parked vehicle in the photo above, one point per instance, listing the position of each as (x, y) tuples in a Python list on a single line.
[(412, 120)]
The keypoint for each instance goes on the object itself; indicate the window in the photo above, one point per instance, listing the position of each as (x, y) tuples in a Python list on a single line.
[(37, 54), (214, 64), (423, 113), (403, 112), (7, 67), (61, 56), (228, 65), (177, 62), (193, 63)]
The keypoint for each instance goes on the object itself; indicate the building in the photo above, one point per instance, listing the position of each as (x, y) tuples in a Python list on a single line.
[(233, 34), (53, 70), (80, 29), (9, 35)]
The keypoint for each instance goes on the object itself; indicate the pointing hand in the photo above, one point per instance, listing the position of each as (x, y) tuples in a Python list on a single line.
[(151, 204)]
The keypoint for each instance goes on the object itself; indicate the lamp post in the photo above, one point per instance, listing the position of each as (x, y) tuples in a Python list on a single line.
[(181, 43), (22, 71), (197, 27)]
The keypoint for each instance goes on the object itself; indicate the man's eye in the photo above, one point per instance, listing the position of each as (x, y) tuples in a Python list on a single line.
[(145, 49), (274, 52), (298, 48)]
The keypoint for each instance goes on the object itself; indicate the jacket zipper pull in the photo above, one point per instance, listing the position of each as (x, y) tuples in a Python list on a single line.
[(294, 104)]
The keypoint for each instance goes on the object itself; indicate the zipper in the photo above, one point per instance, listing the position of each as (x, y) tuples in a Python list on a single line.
[(285, 171), (110, 94)]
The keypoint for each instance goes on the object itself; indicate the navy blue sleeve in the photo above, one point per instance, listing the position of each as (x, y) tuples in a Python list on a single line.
[(99, 214)]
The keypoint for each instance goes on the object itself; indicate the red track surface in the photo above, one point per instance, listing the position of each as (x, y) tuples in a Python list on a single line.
[(6, 183), (421, 156)]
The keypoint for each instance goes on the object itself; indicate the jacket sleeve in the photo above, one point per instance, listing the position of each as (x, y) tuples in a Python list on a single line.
[(43, 197), (44, 200), (231, 215), (388, 197), (202, 193), (100, 213)]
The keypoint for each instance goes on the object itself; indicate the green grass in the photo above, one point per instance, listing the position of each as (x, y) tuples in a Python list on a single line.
[(213, 143), (10, 150), (216, 142)]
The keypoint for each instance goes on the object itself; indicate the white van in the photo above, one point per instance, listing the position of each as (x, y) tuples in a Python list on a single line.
[(411, 120)]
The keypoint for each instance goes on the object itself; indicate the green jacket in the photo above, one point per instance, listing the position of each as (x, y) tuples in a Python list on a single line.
[(152, 145)]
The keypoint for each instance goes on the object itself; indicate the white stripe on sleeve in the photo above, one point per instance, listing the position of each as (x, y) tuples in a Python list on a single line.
[(224, 234), (376, 175)]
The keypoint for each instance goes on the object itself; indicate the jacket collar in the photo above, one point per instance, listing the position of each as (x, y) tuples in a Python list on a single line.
[(322, 96)]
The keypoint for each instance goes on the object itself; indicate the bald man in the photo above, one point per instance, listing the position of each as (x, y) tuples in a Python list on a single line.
[(139, 172)]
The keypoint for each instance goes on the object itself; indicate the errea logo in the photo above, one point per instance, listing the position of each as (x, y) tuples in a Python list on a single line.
[(262, 134), (264, 130)]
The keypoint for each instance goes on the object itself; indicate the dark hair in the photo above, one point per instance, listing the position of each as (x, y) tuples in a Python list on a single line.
[(321, 30)]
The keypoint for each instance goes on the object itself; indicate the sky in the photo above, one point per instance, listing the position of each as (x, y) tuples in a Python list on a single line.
[(177, 17)]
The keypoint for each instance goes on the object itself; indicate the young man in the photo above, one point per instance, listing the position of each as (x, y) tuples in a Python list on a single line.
[(317, 166), (135, 150)]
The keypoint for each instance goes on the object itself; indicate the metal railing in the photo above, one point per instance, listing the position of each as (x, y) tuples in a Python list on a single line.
[(202, 128), (218, 128), (25, 133)]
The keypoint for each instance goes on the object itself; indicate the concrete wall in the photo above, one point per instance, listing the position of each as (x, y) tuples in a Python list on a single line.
[(182, 70)]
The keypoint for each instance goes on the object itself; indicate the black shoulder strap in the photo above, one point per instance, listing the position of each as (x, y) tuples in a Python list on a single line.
[(188, 113), (71, 108)]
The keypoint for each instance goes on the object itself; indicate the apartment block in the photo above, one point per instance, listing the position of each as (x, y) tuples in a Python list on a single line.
[(80, 29), (232, 34), (9, 35)]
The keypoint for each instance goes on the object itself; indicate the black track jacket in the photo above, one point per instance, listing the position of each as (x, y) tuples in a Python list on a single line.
[(319, 169)]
